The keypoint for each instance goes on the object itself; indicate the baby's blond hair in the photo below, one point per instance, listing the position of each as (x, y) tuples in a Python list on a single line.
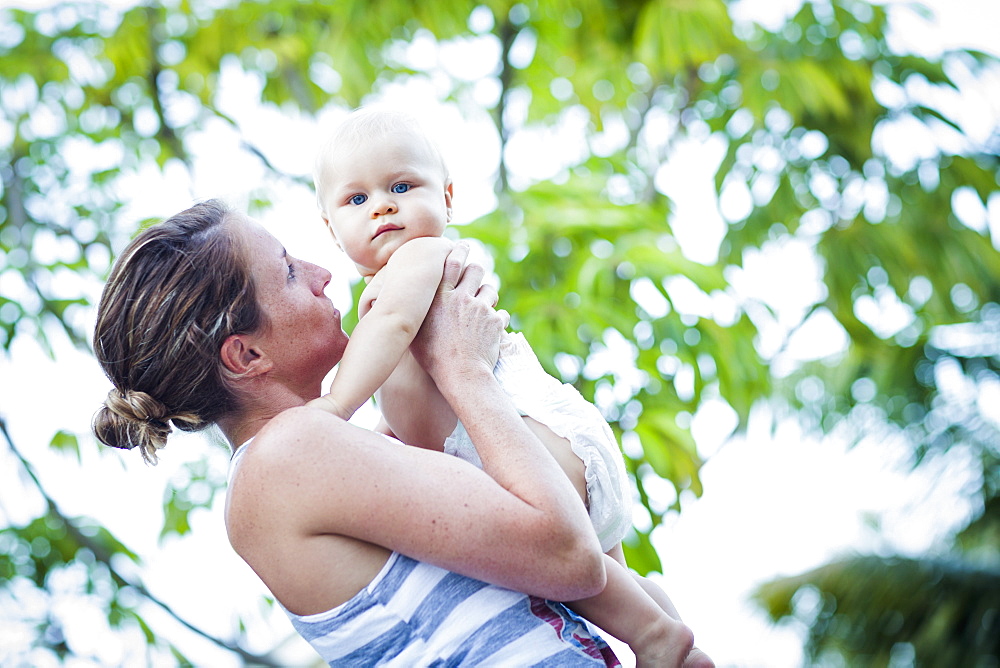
[(364, 124)]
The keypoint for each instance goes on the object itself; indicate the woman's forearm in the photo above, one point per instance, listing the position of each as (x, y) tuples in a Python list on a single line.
[(515, 458), (544, 522)]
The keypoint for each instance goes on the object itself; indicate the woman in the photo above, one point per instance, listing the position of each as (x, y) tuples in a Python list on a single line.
[(380, 553)]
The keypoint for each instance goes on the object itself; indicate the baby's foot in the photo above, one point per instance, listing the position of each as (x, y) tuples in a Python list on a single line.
[(698, 659), (666, 643)]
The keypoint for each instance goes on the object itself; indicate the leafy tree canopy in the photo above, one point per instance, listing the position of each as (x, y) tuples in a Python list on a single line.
[(809, 118)]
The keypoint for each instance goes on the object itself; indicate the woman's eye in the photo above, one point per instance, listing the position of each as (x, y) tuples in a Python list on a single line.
[(358, 200), (291, 271), (400, 188)]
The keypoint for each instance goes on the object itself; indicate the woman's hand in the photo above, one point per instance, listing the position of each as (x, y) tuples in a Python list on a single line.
[(461, 333)]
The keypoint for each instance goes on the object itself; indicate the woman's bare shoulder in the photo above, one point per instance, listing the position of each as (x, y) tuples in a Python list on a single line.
[(288, 460), (300, 432)]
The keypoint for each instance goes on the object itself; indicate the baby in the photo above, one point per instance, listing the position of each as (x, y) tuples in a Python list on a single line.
[(385, 195)]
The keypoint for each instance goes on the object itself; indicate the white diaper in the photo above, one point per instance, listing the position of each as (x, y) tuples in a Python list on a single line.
[(561, 408)]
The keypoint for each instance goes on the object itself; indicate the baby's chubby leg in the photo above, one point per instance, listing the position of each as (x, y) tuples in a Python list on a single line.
[(628, 613), (696, 658), (627, 608), (562, 452)]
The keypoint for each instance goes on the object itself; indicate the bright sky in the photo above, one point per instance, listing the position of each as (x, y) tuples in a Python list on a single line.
[(772, 505)]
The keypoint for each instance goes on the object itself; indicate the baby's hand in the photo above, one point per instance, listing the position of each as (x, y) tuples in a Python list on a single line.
[(330, 405)]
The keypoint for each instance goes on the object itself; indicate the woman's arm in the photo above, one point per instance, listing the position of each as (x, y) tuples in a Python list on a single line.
[(521, 526), (408, 284), (328, 477)]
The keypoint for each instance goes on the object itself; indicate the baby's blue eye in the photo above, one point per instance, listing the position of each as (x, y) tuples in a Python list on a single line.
[(358, 200), (400, 188)]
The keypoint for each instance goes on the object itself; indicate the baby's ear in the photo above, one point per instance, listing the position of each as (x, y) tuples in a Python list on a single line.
[(329, 227), (449, 193)]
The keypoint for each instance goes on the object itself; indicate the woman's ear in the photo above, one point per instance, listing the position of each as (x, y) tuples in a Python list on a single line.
[(241, 358)]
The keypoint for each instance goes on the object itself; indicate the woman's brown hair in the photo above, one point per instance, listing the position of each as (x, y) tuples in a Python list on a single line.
[(175, 294)]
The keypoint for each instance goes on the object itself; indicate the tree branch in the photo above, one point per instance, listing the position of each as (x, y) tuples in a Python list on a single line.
[(166, 131), (507, 35), (255, 151), (102, 555)]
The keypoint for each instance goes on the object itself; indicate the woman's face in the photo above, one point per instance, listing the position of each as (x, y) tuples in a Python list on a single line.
[(302, 332)]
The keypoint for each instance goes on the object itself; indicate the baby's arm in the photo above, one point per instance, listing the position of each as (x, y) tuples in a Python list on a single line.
[(407, 285)]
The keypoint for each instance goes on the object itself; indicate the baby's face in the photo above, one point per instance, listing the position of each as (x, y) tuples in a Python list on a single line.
[(381, 193)]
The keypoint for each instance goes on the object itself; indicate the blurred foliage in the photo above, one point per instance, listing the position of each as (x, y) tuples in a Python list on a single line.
[(92, 96), (879, 611)]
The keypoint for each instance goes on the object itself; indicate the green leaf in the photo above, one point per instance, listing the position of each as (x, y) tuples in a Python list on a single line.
[(66, 441), (640, 555)]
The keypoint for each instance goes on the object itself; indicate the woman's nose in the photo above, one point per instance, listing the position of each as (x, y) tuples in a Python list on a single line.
[(320, 278)]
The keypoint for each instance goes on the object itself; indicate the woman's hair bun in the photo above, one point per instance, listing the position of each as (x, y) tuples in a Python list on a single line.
[(175, 294), (135, 419)]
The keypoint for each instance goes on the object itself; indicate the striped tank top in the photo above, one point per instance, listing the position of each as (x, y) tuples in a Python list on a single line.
[(414, 614)]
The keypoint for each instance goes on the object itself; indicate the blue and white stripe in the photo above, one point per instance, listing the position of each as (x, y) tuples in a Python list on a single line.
[(414, 614)]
